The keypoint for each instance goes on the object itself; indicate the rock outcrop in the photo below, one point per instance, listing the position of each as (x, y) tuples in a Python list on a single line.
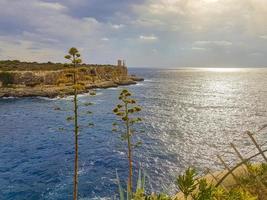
[(52, 83)]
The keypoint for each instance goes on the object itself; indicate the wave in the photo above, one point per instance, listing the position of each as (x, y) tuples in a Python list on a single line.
[(88, 94), (113, 88), (49, 99), (139, 84), (10, 97)]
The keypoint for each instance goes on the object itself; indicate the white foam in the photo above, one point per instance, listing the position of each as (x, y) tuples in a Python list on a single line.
[(9, 97), (139, 84), (49, 99), (113, 88)]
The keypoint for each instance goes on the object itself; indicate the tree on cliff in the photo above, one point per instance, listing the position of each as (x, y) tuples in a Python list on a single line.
[(74, 57)]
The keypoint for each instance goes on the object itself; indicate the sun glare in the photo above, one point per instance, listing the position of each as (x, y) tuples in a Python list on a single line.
[(222, 69), (210, 1)]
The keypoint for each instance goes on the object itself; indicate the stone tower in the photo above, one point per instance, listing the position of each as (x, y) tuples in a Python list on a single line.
[(119, 63)]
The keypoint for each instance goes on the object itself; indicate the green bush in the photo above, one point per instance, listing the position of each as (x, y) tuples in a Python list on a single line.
[(6, 78)]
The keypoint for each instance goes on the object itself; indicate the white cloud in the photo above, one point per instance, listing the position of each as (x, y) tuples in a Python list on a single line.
[(50, 5), (199, 48), (263, 37), (117, 26), (105, 39), (27, 50), (257, 54), (217, 43), (148, 37), (49, 29), (206, 15)]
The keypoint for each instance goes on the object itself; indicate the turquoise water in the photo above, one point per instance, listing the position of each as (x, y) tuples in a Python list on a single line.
[(189, 116)]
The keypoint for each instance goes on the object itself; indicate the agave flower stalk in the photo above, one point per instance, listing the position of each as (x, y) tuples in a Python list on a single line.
[(124, 111), (74, 57)]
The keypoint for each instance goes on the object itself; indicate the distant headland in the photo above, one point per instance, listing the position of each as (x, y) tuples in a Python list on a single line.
[(29, 79)]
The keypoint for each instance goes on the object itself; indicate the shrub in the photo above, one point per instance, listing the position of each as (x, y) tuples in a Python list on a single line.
[(186, 182), (6, 78)]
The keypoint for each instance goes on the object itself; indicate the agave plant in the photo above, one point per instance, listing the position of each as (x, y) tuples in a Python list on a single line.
[(125, 111), (74, 57), (140, 187)]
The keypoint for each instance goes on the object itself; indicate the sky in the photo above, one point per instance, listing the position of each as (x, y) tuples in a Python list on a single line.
[(146, 33)]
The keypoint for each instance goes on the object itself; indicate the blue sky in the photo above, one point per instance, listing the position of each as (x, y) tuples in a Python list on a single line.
[(147, 33)]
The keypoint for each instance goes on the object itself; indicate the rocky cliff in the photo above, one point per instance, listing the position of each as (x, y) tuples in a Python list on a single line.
[(51, 83)]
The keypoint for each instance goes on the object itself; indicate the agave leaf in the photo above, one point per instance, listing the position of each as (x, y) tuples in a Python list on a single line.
[(139, 180), (129, 194), (143, 182), (120, 187)]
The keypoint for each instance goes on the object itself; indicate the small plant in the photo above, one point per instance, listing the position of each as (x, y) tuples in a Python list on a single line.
[(189, 185), (255, 181), (125, 111), (140, 193), (186, 182), (205, 191), (240, 194), (140, 187)]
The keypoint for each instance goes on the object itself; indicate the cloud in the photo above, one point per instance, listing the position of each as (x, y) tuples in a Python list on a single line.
[(182, 32), (26, 50), (211, 43), (104, 39), (199, 48), (117, 26), (148, 37), (263, 37), (49, 5), (46, 26)]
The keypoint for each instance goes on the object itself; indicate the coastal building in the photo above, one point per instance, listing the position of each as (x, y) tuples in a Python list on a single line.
[(121, 63)]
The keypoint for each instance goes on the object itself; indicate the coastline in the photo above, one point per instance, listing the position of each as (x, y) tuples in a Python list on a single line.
[(45, 82), (61, 91)]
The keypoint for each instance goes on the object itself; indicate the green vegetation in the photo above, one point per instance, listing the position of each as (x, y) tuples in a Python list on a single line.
[(186, 182), (198, 189), (194, 188), (6, 78), (255, 181), (16, 65)]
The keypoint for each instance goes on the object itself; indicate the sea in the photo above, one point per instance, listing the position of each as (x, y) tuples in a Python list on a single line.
[(189, 116)]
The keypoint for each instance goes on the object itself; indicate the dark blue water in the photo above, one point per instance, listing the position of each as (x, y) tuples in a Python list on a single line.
[(189, 117)]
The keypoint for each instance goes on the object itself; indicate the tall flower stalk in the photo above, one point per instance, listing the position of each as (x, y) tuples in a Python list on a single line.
[(125, 112), (74, 57)]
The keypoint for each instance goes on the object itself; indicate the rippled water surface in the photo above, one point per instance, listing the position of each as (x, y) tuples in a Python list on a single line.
[(189, 116)]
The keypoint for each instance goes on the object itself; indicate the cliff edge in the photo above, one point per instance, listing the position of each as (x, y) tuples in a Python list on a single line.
[(51, 80)]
